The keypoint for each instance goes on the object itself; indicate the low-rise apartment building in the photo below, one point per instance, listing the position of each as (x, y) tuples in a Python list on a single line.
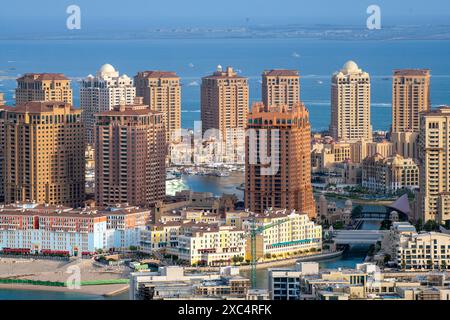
[(388, 175), (365, 282), (423, 251), (160, 236), (174, 283), (203, 244), (37, 228), (282, 233)]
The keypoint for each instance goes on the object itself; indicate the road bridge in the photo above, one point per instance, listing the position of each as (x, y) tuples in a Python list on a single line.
[(357, 236)]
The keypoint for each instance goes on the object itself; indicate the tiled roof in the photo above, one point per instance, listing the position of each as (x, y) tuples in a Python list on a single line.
[(281, 73), (43, 76), (40, 106), (411, 72), (158, 74)]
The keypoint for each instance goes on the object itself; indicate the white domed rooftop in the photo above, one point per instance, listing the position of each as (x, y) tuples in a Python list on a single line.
[(350, 66), (107, 68)]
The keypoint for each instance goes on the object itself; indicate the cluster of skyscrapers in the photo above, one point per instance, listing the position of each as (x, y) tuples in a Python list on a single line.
[(419, 136), (132, 122)]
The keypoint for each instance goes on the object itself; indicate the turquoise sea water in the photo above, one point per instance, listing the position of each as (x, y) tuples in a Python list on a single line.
[(192, 59), (13, 294)]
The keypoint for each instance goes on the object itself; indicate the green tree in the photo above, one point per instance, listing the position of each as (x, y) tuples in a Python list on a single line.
[(338, 225), (357, 211), (237, 259), (386, 225), (431, 225)]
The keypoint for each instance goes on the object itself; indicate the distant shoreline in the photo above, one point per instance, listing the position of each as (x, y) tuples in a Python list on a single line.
[(174, 38)]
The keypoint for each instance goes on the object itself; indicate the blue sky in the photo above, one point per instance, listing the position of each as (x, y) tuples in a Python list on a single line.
[(45, 15)]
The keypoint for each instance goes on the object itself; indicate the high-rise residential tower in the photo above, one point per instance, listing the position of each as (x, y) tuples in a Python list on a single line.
[(3, 113), (44, 154), (130, 156), (280, 88), (43, 87), (350, 104), (410, 96), (161, 91), (434, 156), (224, 106), (278, 159), (2, 99), (101, 93)]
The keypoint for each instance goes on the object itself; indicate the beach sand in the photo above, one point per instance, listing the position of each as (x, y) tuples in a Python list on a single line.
[(53, 270), (99, 290)]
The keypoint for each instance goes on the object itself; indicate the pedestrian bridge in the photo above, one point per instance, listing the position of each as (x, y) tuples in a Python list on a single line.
[(357, 236), (371, 216)]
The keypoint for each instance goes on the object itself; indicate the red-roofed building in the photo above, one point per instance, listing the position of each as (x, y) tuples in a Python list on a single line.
[(130, 156), (280, 87), (44, 154), (161, 91), (43, 87)]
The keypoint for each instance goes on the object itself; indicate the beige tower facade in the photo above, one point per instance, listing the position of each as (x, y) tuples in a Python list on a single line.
[(224, 106), (3, 114), (43, 87), (161, 91), (350, 104), (405, 144), (434, 155), (410, 97), (44, 154), (130, 156), (281, 88), (284, 136), (101, 93)]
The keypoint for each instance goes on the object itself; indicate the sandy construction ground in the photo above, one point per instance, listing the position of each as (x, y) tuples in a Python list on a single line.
[(98, 290), (51, 270)]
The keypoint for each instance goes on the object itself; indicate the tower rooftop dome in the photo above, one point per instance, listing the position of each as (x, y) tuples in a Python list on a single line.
[(107, 68), (350, 66)]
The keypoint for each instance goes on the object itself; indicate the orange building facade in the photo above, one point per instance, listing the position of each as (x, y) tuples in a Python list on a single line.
[(287, 184)]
